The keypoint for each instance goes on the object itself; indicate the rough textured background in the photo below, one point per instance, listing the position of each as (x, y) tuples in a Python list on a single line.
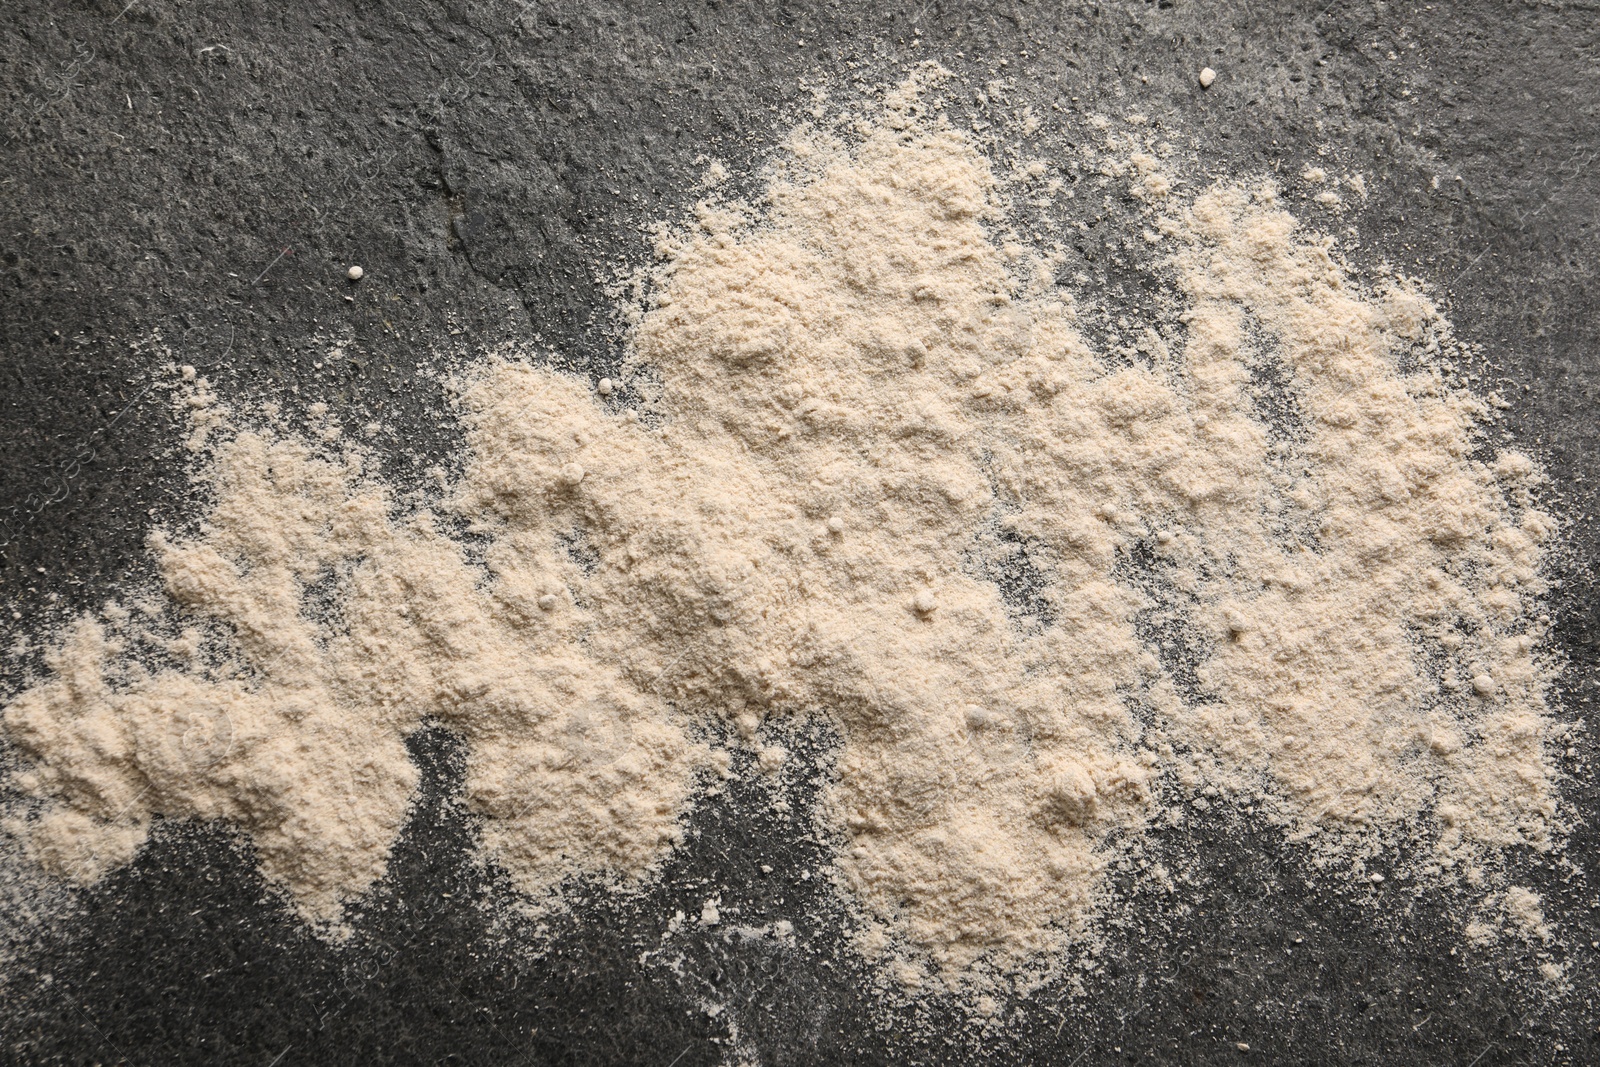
[(208, 170)]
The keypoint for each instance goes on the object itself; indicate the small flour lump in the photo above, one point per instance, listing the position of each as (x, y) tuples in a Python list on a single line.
[(867, 400)]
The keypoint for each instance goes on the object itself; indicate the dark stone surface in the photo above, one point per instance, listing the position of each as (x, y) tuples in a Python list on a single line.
[(209, 170)]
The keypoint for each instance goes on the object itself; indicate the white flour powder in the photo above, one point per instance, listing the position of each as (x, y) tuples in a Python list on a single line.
[(870, 400)]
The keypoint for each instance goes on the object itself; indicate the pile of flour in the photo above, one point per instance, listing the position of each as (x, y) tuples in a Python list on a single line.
[(864, 465)]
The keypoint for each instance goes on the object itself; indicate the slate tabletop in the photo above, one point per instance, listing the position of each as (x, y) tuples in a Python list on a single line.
[(206, 172)]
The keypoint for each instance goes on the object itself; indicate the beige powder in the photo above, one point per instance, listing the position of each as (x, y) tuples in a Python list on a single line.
[(856, 402), (298, 732)]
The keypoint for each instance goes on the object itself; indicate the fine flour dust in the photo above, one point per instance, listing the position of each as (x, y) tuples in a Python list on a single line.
[(865, 466)]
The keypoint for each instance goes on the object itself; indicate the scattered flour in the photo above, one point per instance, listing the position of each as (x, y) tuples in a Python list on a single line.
[(1264, 561)]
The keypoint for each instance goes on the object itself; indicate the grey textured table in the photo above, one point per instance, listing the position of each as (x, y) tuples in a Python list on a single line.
[(208, 170)]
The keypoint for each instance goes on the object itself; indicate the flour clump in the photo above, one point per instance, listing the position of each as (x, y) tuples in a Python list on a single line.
[(1044, 593)]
